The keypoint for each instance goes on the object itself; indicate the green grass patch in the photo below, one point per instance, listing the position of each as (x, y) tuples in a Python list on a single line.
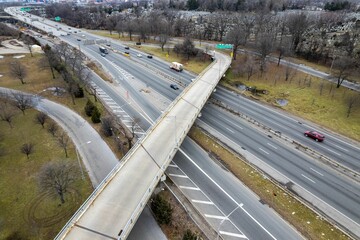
[(24, 208), (311, 225), (309, 97)]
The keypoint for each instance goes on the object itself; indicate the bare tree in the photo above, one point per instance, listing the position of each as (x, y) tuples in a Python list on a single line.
[(352, 101), (250, 67), (52, 128), (41, 118), (239, 33), (63, 141), (289, 72), (29, 43), (22, 102), (107, 126), (17, 70), (111, 23), (61, 51), (7, 113), (344, 67), (49, 61), (57, 177), (27, 149), (134, 125), (297, 25), (265, 46)]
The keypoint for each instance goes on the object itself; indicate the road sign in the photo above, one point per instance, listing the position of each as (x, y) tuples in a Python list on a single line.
[(25, 9), (57, 19), (224, 46)]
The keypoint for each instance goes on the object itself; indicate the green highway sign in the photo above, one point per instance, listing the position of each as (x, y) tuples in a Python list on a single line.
[(25, 9), (58, 19), (224, 46)]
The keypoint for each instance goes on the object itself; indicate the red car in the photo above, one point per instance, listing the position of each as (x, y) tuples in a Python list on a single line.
[(314, 135)]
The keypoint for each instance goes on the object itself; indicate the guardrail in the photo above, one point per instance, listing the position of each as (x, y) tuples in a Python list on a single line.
[(349, 172)]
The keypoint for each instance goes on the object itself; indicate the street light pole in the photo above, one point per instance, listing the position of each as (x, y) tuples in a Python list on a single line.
[(227, 218)]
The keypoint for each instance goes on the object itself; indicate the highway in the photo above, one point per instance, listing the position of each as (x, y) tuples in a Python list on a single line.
[(145, 75), (160, 86), (343, 151)]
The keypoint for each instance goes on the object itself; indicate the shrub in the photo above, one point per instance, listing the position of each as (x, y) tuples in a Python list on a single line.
[(89, 108), (79, 93), (95, 116), (189, 235), (162, 210)]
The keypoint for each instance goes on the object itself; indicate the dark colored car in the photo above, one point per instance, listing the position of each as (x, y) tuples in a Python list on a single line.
[(127, 48), (314, 135), (174, 86), (126, 52), (149, 56)]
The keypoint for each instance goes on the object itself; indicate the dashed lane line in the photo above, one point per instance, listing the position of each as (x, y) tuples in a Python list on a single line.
[(308, 178), (216, 217), (263, 150), (271, 145), (202, 202), (233, 234), (190, 188), (177, 175), (317, 172)]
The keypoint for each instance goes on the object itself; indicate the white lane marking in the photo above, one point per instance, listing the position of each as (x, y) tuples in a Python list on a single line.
[(340, 147), (216, 217), (118, 110), (271, 145), (172, 165), (230, 122), (317, 172), (332, 151), (232, 234), (294, 181), (308, 178), (190, 188), (203, 202), (229, 129), (228, 195), (180, 176), (263, 150)]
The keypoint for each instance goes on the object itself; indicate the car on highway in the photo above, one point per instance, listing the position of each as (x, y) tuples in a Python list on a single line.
[(314, 135), (78, 39), (127, 48), (103, 54), (126, 52), (174, 86), (149, 56), (139, 55)]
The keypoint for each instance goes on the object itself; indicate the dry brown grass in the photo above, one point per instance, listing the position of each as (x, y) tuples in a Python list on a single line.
[(302, 218), (327, 107)]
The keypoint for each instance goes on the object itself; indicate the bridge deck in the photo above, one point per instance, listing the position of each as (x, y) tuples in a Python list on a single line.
[(117, 203)]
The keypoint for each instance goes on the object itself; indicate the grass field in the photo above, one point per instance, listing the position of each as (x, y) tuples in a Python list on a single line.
[(305, 221), (23, 202), (309, 97), (24, 208)]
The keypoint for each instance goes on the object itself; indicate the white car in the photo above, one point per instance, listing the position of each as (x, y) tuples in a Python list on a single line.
[(139, 55)]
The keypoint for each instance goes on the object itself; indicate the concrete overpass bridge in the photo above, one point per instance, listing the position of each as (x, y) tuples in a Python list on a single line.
[(113, 208)]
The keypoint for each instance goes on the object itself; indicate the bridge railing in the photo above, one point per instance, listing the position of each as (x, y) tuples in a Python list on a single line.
[(121, 164)]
